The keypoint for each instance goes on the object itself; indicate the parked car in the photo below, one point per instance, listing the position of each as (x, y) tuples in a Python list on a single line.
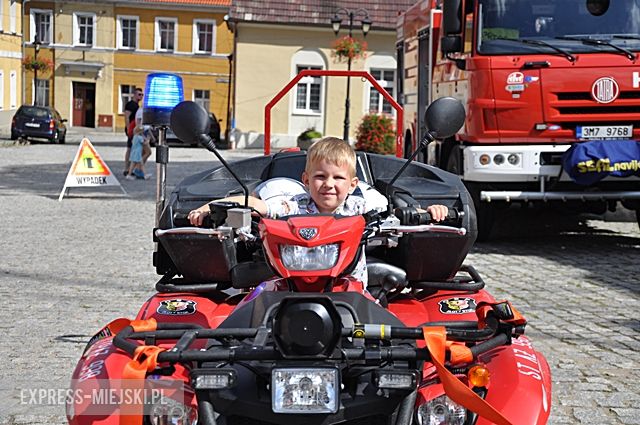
[(38, 123)]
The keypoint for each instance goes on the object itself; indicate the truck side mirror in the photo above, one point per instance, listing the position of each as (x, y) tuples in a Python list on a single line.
[(451, 44), (452, 17)]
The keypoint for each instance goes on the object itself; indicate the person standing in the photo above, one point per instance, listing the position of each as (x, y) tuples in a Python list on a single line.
[(130, 110)]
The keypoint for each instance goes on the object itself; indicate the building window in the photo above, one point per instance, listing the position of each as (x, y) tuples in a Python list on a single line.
[(127, 32), (83, 29), (126, 94), (42, 93), (1, 90), (204, 36), (166, 34), (13, 87), (308, 92), (201, 97), (12, 16), (41, 25), (377, 103)]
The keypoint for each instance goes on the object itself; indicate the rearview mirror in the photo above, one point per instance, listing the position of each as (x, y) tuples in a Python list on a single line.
[(189, 121), (444, 117)]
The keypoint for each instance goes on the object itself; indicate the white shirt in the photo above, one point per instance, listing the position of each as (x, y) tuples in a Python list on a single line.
[(284, 196)]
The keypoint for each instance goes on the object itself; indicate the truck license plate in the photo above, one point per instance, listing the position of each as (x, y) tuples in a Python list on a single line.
[(594, 132)]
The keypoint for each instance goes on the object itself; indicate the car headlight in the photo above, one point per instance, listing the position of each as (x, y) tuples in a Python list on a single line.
[(167, 411), (441, 411), (323, 257), (304, 390)]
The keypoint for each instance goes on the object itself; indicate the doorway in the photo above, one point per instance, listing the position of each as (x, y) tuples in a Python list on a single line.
[(84, 101)]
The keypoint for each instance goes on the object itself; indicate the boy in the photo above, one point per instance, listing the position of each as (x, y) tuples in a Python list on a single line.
[(329, 178)]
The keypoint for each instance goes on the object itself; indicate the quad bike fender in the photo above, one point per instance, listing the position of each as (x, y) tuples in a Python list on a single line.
[(100, 392), (520, 383), (519, 387), (444, 306)]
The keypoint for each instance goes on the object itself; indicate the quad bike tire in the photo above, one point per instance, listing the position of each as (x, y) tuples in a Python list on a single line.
[(485, 213)]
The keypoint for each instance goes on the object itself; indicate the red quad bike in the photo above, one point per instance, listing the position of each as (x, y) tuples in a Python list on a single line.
[(260, 322)]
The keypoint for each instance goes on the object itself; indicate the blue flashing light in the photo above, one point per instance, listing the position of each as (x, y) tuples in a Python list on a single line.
[(163, 92)]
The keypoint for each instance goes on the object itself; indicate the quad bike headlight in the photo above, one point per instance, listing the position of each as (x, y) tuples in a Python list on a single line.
[(323, 257), (167, 411), (305, 390), (441, 411)]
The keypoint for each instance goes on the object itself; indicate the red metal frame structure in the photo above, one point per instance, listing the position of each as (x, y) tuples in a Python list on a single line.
[(328, 73)]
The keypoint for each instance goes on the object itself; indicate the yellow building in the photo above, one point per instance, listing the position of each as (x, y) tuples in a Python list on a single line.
[(277, 39), (101, 51), (188, 37), (10, 61)]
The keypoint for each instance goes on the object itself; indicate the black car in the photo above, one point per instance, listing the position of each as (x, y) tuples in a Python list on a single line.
[(38, 123)]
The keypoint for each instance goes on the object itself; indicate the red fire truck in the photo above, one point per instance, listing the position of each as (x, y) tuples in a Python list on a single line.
[(536, 78)]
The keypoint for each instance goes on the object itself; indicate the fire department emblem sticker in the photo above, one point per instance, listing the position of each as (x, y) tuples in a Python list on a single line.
[(177, 307), (457, 305), (308, 233), (605, 90)]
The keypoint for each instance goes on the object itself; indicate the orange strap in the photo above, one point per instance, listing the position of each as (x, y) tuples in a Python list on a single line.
[(503, 306), (459, 353), (435, 337), (145, 359), (144, 325)]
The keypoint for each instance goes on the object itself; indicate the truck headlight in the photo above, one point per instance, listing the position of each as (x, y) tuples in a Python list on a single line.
[(441, 411), (304, 390), (323, 257)]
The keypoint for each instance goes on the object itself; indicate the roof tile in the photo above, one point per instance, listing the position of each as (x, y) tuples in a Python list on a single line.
[(383, 13), (193, 2)]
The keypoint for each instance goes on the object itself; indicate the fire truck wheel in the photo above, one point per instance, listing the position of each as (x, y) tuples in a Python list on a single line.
[(485, 213)]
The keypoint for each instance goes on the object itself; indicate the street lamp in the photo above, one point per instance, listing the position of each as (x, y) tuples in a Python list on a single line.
[(36, 47), (336, 21)]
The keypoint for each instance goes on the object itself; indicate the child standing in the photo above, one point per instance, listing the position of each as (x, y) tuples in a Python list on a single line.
[(136, 167)]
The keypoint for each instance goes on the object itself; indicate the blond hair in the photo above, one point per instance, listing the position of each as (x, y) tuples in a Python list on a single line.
[(334, 151)]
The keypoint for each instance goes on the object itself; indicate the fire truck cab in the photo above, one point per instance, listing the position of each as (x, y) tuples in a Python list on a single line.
[(536, 77)]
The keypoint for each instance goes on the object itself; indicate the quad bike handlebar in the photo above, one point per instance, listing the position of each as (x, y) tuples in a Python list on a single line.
[(495, 334)]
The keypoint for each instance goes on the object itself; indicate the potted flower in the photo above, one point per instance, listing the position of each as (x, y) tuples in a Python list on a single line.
[(348, 47), (40, 64), (376, 134), (308, 137)]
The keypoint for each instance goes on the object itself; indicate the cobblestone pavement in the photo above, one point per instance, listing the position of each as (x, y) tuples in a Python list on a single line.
[(67, 268)]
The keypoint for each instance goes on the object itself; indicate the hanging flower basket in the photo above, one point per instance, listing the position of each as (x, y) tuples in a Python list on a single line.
[(40, 64), (347, 47)]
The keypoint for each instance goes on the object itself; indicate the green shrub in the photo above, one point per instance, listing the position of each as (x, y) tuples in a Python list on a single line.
[(310, 133), (376, 134)]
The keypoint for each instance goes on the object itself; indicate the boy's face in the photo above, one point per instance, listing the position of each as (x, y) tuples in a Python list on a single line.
[(329, 184)]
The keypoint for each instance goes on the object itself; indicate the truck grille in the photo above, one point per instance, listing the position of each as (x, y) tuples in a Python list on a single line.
[(587, 96), (578, 104), (583, 110)]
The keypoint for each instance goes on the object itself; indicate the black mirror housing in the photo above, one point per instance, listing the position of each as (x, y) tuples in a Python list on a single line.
[(444, 117), (452, 17), (189, 121), (451, 44)]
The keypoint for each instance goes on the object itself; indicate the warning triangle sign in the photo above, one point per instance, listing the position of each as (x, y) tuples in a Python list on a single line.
[(88, 169)]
